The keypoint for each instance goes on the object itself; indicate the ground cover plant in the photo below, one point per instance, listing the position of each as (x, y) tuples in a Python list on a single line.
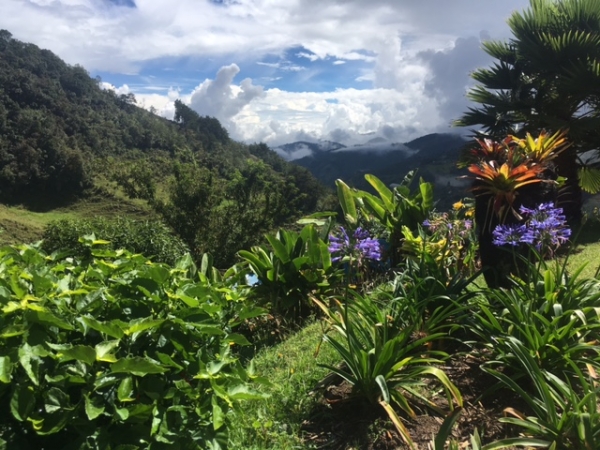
[(111, 350)]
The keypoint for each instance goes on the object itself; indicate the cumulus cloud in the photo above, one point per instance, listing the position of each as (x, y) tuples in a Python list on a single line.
[(220, 98), (124, 89)]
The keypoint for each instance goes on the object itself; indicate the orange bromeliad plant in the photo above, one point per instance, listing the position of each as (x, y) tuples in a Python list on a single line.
[(501, 183), (501, 169)]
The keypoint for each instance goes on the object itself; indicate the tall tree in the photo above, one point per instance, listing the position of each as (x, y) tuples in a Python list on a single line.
[(547, 76)]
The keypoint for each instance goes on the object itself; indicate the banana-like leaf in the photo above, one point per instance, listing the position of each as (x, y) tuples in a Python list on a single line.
[(279, 248), (346, 199), (384, 192)]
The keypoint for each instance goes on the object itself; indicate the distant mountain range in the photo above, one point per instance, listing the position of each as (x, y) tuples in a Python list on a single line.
[(434, 155)]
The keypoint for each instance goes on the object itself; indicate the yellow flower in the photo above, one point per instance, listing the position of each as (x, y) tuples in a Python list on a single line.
[(458, 205)]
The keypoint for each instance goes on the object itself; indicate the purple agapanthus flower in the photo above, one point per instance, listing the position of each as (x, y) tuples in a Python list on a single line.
[(361, 245), (545, 226), (512, 235)]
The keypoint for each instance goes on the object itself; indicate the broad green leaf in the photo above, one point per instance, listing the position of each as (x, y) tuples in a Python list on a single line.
[(243, 392), (41, 284), (56, 400), (279, 249), (384, 192), (4, 293), (189, 301), (427, 196), (108, 328), (235, 338), (47, 318), (218, 417), (206, 263), (214, 367), (12, 331), (5, 369), (125, 390), (12, 307), (93, 410), (158, 273), (18, 289), (168, 361), (22, 402), (103, 350), (137, 325), (186, 263), (106, 380), (137, 365), (123, 413), (374, 206), (250, 312), (83, 353), (30, 362)]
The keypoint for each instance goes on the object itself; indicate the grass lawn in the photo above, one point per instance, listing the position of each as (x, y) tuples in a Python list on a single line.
[(19, 224)]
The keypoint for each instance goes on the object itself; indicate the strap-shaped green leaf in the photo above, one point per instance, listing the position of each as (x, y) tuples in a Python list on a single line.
[(346, 199)]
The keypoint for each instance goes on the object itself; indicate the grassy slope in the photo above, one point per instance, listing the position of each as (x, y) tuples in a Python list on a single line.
[(293, 370), (18, 225)]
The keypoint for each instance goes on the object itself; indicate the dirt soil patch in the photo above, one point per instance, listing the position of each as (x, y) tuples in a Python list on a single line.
[(340, 421)]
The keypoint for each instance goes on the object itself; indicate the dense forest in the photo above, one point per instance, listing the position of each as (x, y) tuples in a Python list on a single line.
[(60, 133)]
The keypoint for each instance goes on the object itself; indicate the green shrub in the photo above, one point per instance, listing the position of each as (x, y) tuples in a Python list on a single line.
[(553, 316), (152, 238), (563, 415), (290, 268), (114, 351)]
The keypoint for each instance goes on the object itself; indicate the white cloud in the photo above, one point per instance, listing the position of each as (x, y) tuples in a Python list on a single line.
[(342, 115), (124, 89), (220, 98), (414, 57), (119, 38)]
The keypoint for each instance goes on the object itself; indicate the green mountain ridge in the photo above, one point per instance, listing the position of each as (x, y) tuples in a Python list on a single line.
[(435, 156), (63, 139)]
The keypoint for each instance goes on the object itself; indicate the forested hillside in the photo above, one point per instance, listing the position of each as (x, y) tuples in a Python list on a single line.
[(61, 135)]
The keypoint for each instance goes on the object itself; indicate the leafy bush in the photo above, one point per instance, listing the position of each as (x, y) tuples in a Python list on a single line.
[(290, 268), (564, 416), (114, 351), (555, 317), (152, 238), (392, 209)]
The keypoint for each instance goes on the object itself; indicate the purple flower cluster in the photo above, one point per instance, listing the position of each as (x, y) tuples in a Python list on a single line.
[(361, 245), (545, 227)]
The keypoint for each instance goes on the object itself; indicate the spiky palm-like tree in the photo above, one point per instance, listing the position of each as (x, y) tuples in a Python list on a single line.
[(547, 76)]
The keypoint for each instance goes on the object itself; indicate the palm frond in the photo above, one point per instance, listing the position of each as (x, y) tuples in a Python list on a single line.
[(589, 179)]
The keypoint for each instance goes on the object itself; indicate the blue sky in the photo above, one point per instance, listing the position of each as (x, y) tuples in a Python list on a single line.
[(279, 70)]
